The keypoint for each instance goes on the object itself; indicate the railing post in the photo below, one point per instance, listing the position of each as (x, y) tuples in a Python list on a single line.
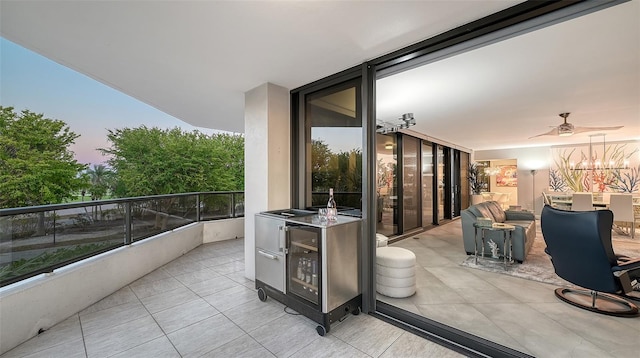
[(127, 223), (54, 227), (198, 207)]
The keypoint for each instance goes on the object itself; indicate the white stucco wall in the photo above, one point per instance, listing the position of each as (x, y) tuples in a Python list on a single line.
[(267, 159), (42, 301), (218, 230)]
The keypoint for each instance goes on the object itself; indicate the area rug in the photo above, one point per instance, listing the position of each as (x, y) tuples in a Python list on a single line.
[(537, 265)]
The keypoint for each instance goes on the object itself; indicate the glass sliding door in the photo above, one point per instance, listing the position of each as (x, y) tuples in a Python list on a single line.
[(427, 184), (465, 194), (440, 179), (333, 138), (411, 198), (387, 184)]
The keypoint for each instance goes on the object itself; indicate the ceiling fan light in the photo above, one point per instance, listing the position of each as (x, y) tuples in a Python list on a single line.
[(565, 133)]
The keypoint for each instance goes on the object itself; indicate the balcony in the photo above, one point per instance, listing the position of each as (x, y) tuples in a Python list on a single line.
[(59, 259), (179, 292)]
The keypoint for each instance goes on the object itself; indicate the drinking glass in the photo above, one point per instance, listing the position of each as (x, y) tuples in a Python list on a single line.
[(322, 214)]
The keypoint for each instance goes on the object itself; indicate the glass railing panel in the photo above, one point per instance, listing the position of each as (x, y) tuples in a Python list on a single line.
[(34, 243), (40, 239), (184, 209), (216, 206), (238, 206), (154, 216)]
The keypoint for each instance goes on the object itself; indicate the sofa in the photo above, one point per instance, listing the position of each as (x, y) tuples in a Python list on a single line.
[(521, 238)]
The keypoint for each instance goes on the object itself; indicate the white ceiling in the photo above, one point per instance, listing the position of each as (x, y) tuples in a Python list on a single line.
[(195, 59), (499, 95)]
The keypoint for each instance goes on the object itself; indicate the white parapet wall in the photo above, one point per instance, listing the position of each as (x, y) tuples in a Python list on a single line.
[(45, 300), (218, 230)]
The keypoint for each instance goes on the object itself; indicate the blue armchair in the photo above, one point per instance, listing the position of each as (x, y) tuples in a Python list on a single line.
[(579, 243)]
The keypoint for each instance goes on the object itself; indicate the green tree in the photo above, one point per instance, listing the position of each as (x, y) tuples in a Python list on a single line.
[(150, 161), (36, 165), (101, 181)]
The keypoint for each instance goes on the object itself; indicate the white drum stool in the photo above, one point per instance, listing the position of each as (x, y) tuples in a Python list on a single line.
[(381, 240), (395, 272)]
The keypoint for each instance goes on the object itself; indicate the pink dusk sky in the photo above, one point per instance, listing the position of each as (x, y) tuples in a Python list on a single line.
[(33, 82)]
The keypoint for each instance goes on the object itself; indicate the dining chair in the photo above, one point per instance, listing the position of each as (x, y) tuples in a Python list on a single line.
[(622, 207), (582, 202)]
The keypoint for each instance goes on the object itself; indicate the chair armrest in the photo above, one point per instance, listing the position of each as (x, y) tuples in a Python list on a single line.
[(627, 265), (627, 273), (519, 215)]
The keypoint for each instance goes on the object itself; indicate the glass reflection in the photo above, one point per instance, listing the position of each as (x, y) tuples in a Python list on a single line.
[(334, 135), (387, 184)]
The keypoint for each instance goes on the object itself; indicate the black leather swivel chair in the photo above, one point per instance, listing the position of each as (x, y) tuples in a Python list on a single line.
[(579, 244)]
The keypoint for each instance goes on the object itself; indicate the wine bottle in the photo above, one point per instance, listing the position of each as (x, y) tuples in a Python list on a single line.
[(332, 209)]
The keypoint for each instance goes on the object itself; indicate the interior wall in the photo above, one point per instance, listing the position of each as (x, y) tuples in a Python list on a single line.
[(530, 186), (512, 191)]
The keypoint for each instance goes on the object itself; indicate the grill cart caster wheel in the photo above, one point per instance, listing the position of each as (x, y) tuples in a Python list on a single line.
[(262, 295), (356, 311), (321, 331)]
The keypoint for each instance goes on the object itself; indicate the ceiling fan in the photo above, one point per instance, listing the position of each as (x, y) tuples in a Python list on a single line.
[(566, 129)]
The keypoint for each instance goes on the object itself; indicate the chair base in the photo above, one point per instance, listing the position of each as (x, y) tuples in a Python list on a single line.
[(598, 302)]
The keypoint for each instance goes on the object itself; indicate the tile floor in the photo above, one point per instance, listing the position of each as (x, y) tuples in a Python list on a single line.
[(200, 305), (522, 314)]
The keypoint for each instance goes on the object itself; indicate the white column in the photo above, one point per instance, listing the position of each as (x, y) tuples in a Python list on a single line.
[(267, 158)]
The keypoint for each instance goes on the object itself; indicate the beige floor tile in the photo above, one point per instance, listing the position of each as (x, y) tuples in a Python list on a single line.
[(175, 268), (122, 296), (73, 349), (143, 290), (154, 275), (65, 332), (239, 278), (488, 294), (209, 287), (110, 317), (457, 277), (231, 267), (255, 313), (328, 346), (409, 346), (204, 336), (538, 334), (286, 334), (121, 338), (429, 296), (202, 274), (160, 347), (216, 261), (406, 304), (607, 332), (245, 347), (231, 298), (168, 299), (183, 315), (374, 340)]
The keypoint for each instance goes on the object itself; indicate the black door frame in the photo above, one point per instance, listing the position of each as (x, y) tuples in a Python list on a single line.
[(521, 18)]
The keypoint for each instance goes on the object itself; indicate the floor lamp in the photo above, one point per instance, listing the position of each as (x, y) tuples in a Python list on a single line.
[(533, 191)]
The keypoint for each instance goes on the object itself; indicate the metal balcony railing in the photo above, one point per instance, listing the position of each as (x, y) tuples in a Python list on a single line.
[(39, 239)]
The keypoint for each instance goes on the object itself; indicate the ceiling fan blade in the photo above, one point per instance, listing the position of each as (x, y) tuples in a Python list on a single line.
[(554, 131), (595, 129)]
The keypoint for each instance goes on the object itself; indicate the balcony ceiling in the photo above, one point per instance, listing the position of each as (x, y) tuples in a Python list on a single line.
[(194, 61)]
